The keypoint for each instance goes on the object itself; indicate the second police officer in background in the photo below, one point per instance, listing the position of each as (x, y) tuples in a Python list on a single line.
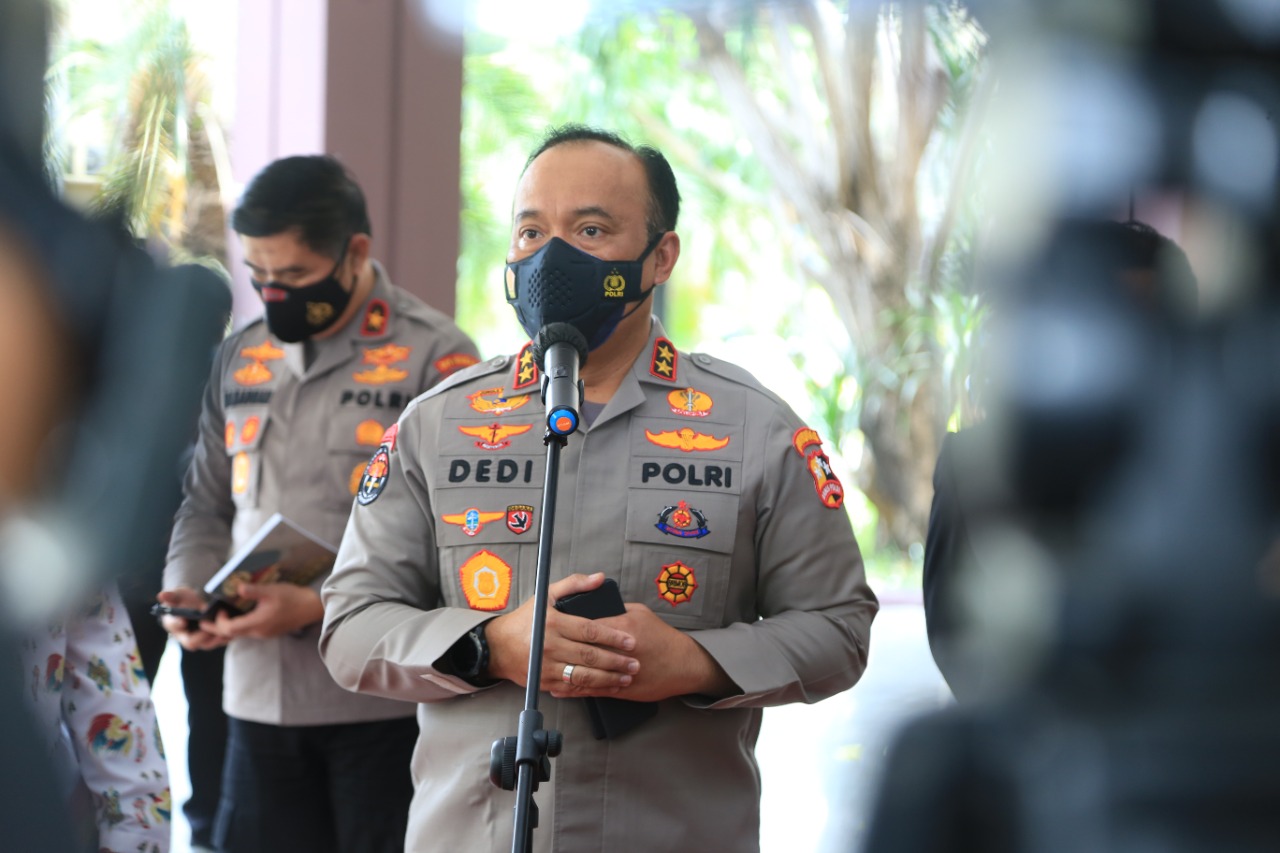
[(296, 404)]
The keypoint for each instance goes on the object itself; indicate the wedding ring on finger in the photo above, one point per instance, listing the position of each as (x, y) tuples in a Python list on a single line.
[(567, 675)]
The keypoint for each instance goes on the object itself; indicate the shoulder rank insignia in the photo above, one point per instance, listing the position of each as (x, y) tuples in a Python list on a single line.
[(486, 581), (686, 440), (526, 371), (676, 583), (375, 477), (447, 364), (662, 363), (495, 436), (690, 403), (492, 402), (472, 519), (809, 445), (375, 319), (682, 520)]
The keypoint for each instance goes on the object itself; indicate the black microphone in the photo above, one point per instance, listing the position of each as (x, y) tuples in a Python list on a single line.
[(559, 350)]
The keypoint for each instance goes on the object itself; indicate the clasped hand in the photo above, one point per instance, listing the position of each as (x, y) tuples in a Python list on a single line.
[(633, 656)]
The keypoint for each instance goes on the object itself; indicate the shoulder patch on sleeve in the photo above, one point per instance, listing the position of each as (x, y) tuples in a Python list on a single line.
[(484, 368)]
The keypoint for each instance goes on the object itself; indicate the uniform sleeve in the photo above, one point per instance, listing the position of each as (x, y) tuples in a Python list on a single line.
[(384, 619), (107, 708), (201, 536), (815, 606)]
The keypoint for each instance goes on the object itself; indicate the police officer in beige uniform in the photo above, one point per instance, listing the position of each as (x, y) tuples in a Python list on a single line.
[(700, 491), (296, 405)]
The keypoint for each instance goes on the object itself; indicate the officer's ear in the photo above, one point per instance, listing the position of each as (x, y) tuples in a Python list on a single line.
[(358, 251), (665, 255)]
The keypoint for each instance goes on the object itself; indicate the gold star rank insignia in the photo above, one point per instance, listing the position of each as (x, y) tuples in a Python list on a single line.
[(526, 370), (663, 362)]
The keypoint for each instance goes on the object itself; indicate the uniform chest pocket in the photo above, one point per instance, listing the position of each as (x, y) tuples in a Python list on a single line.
[(678, 556), (245, 428), (351, 438)]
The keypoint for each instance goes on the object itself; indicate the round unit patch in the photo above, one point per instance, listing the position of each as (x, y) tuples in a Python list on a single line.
[(375, 477)]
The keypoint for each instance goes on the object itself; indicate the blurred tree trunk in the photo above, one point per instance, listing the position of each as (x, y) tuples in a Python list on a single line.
[(841, 115)]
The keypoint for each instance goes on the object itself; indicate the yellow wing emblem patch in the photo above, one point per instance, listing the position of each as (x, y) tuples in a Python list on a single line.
[(686, 440)]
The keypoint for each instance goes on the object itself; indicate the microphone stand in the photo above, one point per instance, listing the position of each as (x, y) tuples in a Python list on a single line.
[(513, 761)]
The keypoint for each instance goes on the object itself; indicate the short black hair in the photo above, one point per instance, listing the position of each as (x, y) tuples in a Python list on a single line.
[(664, 195), (313, 193)]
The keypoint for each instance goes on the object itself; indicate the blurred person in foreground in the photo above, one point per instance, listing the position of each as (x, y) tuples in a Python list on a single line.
[(700, 491), (1149, 275), (296, 403)]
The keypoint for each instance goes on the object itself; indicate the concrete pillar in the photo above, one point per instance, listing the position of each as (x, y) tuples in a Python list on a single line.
[(371, 82)]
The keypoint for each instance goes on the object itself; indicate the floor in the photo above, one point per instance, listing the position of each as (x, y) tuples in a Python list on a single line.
[(820, 763)]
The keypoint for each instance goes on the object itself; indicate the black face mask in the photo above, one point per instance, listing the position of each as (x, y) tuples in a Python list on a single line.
[(297, 313), (562, 284)]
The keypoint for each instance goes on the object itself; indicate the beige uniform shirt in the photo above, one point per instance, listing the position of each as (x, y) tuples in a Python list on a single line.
[(701, 493), (277, 437)]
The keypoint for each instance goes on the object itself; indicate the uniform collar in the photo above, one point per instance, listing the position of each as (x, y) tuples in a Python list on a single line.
[(372, 324), (656, 361)]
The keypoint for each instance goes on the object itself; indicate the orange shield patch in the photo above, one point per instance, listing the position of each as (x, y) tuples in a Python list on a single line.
[(486, 581)]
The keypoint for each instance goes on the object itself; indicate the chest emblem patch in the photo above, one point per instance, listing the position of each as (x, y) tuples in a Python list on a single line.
[(662, 363), (492, 402), (375, 477), (369, 433), (690, 402), (682, 520), (388, 354), (265, 351), (526, 370), (676, 583), (486, 581), (472, 520), (249, 430), (380, 375), (240, 470), (382, 358), (253, 373), (808, 444), (519, 518), (686, 440), (495, 436)]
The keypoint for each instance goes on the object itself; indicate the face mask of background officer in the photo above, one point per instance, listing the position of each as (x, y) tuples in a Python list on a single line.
[(300, 299)]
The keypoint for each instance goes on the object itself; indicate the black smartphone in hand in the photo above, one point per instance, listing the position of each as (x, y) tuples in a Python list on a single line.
[(610, 718), (189, 613), (604, 600)]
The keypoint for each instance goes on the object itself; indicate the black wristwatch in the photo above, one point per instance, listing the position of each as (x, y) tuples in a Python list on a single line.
[(469, 657)]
